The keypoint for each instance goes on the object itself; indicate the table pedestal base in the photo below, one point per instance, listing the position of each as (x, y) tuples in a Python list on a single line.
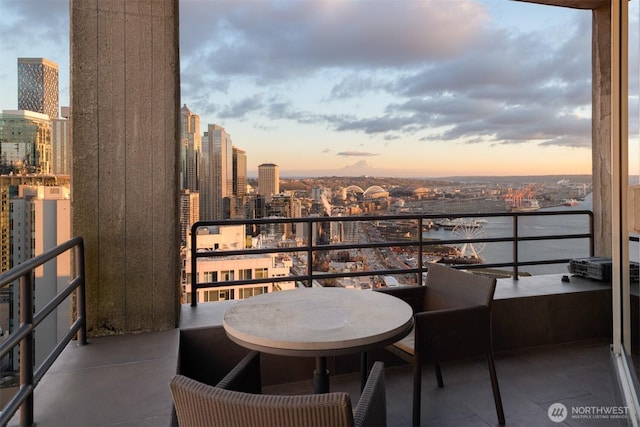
[(321, 376)]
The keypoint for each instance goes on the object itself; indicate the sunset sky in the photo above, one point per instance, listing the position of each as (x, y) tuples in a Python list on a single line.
[(379, 87)]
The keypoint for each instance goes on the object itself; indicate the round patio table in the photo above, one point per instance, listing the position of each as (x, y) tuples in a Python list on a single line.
[(318, 322)]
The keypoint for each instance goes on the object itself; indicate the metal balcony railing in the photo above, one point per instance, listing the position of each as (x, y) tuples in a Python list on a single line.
[(23, 335), (313, 244)]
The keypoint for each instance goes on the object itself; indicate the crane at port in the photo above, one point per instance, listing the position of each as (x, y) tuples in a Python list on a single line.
[(523, 200)]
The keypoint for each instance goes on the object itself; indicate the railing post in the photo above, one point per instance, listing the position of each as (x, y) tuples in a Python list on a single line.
[(516, 275), (310, 253), (420, 249), (81, 299), (26, 347), (591, 239), (194, 265)]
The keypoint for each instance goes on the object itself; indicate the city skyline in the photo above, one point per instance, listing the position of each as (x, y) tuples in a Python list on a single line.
[(353, 87)]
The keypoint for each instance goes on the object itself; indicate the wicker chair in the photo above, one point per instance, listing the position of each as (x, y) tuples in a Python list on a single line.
[(452, 316), (234, 402)]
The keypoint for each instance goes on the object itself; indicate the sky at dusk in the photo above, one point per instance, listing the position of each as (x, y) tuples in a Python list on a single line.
[(427, 88)]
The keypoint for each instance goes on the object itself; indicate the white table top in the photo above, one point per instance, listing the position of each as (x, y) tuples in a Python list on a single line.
[(318, 321)]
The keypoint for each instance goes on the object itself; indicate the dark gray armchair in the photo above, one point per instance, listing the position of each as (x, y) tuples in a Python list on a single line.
[(235, 401), (452, 316)]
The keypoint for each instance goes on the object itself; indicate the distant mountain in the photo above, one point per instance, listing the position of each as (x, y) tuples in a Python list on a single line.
[(363, 168), (521, 178)]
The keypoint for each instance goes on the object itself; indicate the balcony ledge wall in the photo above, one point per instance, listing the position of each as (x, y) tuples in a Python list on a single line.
[(530, 312)]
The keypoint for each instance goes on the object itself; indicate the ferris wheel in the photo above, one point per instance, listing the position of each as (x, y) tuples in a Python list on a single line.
[(469, 230)]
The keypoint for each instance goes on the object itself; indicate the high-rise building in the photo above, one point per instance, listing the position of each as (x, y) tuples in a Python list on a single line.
[(38, 86), (189, 213), (61, 143), (268, 179), (25, 142), (190, 148), (41, 220), (239, 172), (190, 157), (216, 172), (236, 205), (9, 190)]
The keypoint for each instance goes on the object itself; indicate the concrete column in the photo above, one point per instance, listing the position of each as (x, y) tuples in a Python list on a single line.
[(125, 100), (601, 129)]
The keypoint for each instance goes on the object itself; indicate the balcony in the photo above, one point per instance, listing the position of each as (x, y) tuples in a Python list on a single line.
[(139, 395), (122, 380), (551, 339)]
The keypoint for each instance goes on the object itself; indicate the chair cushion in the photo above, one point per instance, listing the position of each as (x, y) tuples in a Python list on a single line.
[(407, 344)]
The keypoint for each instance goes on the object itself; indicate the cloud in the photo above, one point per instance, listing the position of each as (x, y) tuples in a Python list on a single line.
[(356, 154), (511, 88), (36, 18), (39, 25), (242, 107), (375, 125), (480, 83), (33, 29), (277, 40), (273, 44), (356, 84), (413, 71)]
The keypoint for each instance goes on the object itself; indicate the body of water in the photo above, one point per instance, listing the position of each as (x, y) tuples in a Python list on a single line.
[(534, 250)]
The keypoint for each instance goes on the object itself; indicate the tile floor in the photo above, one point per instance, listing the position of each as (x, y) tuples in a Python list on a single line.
[(577, 375)]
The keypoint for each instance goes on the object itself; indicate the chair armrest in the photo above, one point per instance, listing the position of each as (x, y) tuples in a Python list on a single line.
[(452, 333), (372, 406), (412, 295), (245, 376)]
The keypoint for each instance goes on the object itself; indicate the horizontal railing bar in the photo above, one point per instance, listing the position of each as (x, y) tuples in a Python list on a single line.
[(298, 278), (56, 301), (554, 237), (14, 338), (256, 251), (545, 262), (31, 264), (57, 350), (14, 404), (370, 218), (392, 244)]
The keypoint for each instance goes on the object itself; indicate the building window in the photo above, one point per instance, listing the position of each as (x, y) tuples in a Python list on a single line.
[(262, 273), (244, 274), (210, 276), (227, 275), (209, 296), (249, 292), (217, 295)]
